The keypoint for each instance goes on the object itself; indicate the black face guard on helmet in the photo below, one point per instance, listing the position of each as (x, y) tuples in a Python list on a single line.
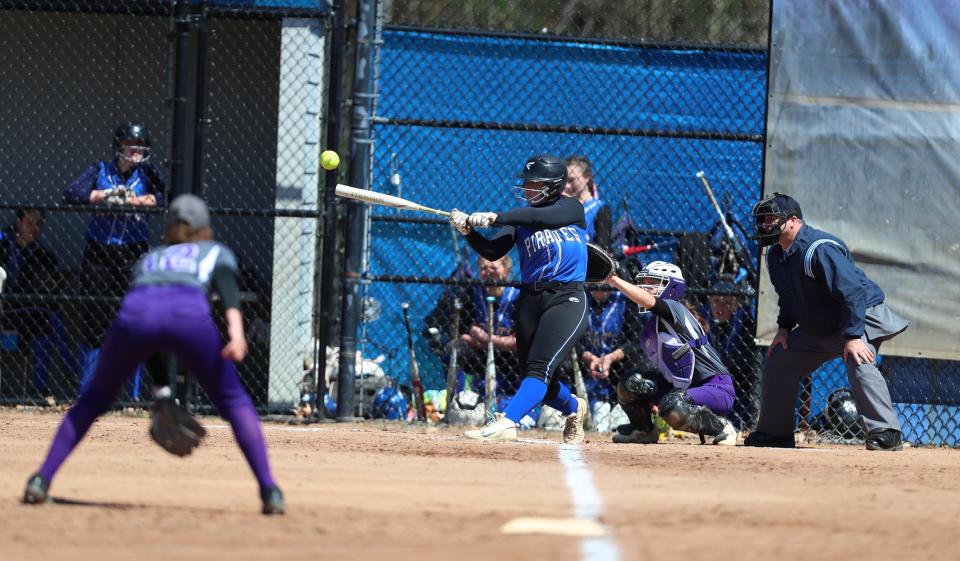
[(777, 205), (136, 132), (551, 172)]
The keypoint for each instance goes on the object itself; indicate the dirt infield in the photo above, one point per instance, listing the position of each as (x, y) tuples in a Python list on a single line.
[(372, 491)]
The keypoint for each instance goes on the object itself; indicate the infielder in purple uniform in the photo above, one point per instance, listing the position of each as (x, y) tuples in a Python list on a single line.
[(167, 310), (694, 390)]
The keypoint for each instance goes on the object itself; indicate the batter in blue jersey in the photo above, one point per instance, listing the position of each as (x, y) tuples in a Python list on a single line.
[(550, 236)]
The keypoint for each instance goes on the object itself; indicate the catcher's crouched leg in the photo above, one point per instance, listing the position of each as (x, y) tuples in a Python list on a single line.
[(634, 393), (173, 428), (678, 411)]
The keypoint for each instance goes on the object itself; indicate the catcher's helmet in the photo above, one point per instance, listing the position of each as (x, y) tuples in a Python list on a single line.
[(550, 172), (665, 279), (137, 134), (842, 416), (779, 206)]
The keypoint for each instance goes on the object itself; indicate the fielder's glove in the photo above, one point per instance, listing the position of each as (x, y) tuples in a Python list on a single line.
[(459, 221), (173, 428), (482, 219)]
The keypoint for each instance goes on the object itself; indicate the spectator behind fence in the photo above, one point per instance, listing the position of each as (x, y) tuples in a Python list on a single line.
[(732, 328), (581, 186), (114, 240), (828, 308), (32, 269), (693, 389), (472, 340)]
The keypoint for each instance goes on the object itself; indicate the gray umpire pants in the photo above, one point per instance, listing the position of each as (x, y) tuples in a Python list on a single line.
[(805, 352)]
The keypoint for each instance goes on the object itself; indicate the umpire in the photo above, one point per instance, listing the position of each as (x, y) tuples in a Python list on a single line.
[(828, 308)]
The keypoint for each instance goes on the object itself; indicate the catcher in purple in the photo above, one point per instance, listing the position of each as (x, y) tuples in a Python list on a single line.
[(167, 310), (693, 388)]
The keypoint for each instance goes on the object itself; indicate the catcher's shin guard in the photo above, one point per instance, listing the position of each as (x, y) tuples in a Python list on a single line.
[(634, 393), (681, 414)]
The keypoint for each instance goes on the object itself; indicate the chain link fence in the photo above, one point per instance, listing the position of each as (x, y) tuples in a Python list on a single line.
[(230, 96), (642, 95)]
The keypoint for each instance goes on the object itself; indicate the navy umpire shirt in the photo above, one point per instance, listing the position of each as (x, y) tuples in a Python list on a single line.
[(819, 285)]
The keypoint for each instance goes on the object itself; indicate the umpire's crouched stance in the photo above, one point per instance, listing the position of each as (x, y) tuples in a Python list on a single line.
[(828, 307)]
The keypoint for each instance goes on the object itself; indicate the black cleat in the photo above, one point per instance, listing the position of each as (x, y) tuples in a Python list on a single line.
[(272, 501), (764, 440), (37, 490), (888, 440)]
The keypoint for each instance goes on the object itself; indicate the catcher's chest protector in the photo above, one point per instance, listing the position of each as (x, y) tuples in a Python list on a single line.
[(660, 343)]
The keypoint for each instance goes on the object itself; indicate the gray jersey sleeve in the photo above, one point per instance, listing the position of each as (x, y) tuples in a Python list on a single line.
[(190, 264), (226, 258)]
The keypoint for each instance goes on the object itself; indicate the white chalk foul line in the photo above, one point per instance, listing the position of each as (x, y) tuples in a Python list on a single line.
[(587, 503)]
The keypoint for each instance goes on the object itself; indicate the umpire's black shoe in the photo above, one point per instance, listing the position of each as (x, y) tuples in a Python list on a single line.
[(764, 440), (37, 490), (886, 440), (272, 501)]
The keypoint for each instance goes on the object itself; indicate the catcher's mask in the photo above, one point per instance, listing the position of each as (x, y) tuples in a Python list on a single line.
[(544, 177), (662, 279), (134, 135), (771, 214)]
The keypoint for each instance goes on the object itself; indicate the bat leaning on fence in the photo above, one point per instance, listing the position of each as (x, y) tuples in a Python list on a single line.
[(491, 372), (382, 199), (581, 388), (414, 367), (454, 351), (738, 249)]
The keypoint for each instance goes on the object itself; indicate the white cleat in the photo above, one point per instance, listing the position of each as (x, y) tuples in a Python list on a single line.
[(573, 424), (498, 428), (728, 437)]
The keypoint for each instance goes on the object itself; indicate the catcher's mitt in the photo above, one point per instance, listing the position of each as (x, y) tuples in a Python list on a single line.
[(173, 428), (600, 263)]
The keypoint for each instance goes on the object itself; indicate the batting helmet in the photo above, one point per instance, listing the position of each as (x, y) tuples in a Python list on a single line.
[(665, 280), (389, 403), (132, 133), (842, 416), (778, 206), (466, 409), (551, 174)]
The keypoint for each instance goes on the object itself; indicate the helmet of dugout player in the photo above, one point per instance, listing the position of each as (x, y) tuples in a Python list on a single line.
[(466, 408), (389, 403), (135, 133), (550, 172), (842, 416), (779, 206), (664, 280)]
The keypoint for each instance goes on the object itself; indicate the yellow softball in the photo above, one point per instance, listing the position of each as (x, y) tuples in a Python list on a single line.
[(329, 159)]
